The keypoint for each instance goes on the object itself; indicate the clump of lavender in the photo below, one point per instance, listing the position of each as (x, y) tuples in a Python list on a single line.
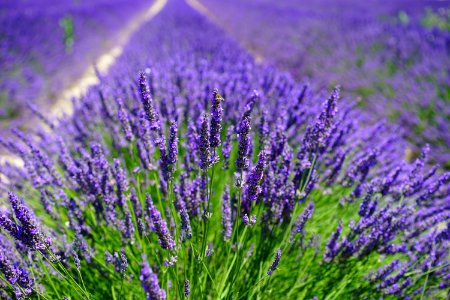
[(138, 198), (27, 230)]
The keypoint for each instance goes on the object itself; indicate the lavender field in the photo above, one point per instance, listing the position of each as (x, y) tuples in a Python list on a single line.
[(206, 149)]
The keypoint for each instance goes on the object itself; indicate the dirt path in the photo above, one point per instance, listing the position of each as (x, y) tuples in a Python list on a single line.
[(202, 9), (64, 105), (104, 61)]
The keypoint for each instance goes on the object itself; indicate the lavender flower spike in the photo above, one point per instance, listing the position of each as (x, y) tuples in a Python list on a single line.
[(185, 225), (253, 182), (242, 161), (216, 119), (204, 144), (173, 144), (303, 218), (147, 102), (226, 148), (28, 232), (165, 238), (124, 120), (332, 247), (187, 288), (275, 262), (227, 223), (150, 283), (169, 158)]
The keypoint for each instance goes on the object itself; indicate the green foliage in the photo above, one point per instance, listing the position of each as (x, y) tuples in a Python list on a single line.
[(67, 25)]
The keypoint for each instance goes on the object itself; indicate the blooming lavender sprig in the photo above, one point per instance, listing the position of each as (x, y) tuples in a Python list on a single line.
[(332, 246), (275, 262), (253, 187), (216, 119), (254, 180), (169, 157), (147, 102), (150, 283), (243, 130), (263, 130), (227, 223), (122, 183), (226, 148), (317, 134), (303, 218), (28, 231), (165, 238), (185, 224), (124, 120), (172, 152), (187, 288), (204, 144), (17, 276)]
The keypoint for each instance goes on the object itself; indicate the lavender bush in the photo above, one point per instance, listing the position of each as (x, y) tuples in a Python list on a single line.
[(192, 172), (391, 57)]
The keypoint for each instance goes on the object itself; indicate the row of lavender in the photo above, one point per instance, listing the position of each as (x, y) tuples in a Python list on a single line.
[(162, 186), (46, 45), (394, 56)]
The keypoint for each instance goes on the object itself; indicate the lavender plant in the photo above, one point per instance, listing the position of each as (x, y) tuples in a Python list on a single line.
[(193, 172), (391, 58)]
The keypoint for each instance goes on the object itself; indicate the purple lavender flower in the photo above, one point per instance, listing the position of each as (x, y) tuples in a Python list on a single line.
[(169, 158), (121, 180), (245, 220), (204, 145), (227, 223), (253, 186), (216, 119), (187, 288), (243, 130), (332, 244), (263, 130), (226, 149), (124, 120), (253, 182), (28, 231), (171, 261), (384, 271), (165, 238), (317, 135), (9, 270), (48, 203), (303, 218), (17, 276), (173, 144), (150, 283), (366, 201), (185, 225), (147, 102), (275, 262)]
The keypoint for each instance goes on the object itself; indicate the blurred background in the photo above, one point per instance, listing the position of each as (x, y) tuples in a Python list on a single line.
[(391, 57), (46, 45)]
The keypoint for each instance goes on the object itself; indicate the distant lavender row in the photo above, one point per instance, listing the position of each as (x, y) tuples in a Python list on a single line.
[(46, 45), (390, 54)]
